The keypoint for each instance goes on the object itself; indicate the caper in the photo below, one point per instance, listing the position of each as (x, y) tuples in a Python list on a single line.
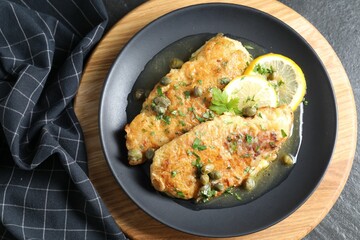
[(134, 155), (162, 101), (207, 168), (224, 80), (249, 111), (249, 184), (215, 175), (147, 93), (287, 159), (198, 91), (176, 63), (149, 154), (204, 179), (218, 187), (165, 80), (158, 109), (139, 94)]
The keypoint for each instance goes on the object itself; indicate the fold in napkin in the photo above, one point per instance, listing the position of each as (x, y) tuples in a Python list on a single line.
[(45, 192)]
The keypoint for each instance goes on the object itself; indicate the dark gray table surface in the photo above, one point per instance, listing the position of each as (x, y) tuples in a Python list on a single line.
[(339, 23)]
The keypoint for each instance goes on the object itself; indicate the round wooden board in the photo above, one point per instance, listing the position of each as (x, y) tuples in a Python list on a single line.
[(137, 224)]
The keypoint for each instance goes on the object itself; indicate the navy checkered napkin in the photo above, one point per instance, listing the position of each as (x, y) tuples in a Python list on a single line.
[(45, 192)]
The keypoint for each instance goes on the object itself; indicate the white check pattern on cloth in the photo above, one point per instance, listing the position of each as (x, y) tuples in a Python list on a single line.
[(45, 192)]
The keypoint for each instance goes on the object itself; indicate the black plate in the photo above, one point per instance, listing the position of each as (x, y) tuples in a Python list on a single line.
[(319, 128)]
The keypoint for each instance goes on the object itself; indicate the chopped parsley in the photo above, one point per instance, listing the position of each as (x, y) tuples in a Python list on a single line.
[(206, 193), (250, 99), (187, 94), (200, 119), (283, 133), (180, 193), (197, 145), (164, 118), (159, 92), (247, 169), (262, 70), (220, 102), (237, 196), (233, 146), (173, 173), (248, 138), (197, 163), (182, 123), (181, 113), (232, 193)]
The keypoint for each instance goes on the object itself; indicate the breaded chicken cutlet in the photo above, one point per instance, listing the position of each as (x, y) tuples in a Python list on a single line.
[(219, 154)]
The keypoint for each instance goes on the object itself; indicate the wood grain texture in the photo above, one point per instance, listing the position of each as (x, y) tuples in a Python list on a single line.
[(137, 224)]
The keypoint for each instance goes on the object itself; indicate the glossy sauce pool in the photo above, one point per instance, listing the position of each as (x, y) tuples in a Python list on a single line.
[(267, 179)]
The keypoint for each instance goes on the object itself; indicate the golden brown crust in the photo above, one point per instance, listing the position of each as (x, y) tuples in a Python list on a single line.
[(220, 57), (236, 146)]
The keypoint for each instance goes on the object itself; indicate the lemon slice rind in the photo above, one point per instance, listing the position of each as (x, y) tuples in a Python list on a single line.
[(289, 79)]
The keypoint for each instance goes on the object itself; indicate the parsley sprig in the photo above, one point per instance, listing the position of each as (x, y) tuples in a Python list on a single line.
[(220, 102)]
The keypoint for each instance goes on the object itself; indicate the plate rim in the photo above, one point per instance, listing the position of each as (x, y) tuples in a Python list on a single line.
[(274, 18)]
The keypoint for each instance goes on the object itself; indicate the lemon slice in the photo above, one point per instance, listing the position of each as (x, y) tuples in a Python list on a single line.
[(284, 74), (252, 91)]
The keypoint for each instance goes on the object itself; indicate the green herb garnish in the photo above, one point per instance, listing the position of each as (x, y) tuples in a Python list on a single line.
[(197, 163), (181, 113), (283, 133), (262, 70), (164, 118), (249, 138), (180, 193), (220, 102), (197, 145), (159, 92), (206, 193), (231, 192), (173, 173), (187, 94)]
